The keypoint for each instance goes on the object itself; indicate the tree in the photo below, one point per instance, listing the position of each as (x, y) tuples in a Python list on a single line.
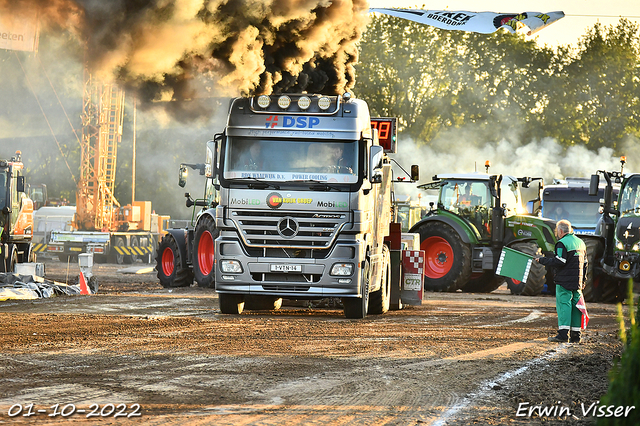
[(501, 85), (404, 72), (594, 101), (435, 79)]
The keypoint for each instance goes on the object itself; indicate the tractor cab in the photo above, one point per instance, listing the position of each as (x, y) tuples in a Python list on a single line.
[(474, 196)]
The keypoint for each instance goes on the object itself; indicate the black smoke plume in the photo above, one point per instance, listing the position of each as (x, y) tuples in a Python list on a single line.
[(179, 50)]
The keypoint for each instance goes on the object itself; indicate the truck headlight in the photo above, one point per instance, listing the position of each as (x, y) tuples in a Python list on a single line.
[(619, 245), (636, 247), (230, 266), (343, 269)]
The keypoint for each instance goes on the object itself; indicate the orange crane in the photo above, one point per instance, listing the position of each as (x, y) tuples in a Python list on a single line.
[(102, 119), (121, 234)]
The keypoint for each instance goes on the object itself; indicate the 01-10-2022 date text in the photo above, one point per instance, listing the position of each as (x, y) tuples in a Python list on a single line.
[(94, 410)]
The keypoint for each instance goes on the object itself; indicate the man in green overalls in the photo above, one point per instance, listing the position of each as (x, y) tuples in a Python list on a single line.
[(570, 263)]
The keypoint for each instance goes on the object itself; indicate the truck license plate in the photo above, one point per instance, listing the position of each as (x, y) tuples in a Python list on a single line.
[(286, 268)]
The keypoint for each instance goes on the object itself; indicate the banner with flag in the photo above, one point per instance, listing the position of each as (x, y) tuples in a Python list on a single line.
[(477, 22), (582, 307)]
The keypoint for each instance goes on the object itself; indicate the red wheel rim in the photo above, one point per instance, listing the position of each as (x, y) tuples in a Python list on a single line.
[(205, 253), (167, 262), (439, 257)]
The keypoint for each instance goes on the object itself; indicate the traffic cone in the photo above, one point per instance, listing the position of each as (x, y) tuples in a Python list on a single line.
[(83, 285)]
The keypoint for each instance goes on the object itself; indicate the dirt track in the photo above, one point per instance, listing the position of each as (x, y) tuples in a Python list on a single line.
[(457, 359)]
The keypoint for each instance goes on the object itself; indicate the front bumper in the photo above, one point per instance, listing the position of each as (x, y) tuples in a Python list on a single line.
[(289, 277)]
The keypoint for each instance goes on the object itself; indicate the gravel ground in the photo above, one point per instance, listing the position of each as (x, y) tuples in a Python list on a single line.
[(460, 358)]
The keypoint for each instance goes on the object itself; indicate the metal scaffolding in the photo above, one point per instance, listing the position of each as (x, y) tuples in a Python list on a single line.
[(102, 120)]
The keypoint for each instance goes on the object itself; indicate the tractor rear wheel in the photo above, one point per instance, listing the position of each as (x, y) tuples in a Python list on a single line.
[(535, 282), (171, 273), (204, 252), (447, 258)]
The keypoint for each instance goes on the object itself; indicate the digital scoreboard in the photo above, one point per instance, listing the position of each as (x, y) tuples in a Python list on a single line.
[(387, 128)]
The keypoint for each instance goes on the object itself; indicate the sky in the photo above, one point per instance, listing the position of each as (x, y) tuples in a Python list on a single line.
[(579, 14)]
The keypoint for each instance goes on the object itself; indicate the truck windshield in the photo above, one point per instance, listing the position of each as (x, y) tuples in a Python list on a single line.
[(579, 213), (291, 160)]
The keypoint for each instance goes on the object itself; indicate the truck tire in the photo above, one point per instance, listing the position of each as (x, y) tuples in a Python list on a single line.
[(171, 273), (485, 283), (447, 258), (204, 252), (379, 300), (8, 264), (592, 290), (612, 290), (262, 303), (536, 280), (25, 254), (232, 304), (116, 257), (356, 308), (133, 258)]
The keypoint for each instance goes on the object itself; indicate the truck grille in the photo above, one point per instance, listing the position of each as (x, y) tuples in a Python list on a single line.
[(288, 229), (285, 288)]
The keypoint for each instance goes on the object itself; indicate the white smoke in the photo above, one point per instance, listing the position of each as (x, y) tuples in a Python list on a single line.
[(544, 158)]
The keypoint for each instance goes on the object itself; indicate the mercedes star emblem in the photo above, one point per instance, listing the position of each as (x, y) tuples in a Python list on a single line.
[(288, 227)]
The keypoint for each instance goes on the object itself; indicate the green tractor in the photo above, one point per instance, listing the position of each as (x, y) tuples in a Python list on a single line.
[(478, 214), (614, 251)]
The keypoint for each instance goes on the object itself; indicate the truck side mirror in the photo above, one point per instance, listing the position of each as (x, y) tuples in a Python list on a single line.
[(182, 176), (415, 173), (376, 154), (20, 184), (594, 184)]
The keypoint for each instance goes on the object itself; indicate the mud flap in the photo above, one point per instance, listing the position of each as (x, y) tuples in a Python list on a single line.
[(412, 277)]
